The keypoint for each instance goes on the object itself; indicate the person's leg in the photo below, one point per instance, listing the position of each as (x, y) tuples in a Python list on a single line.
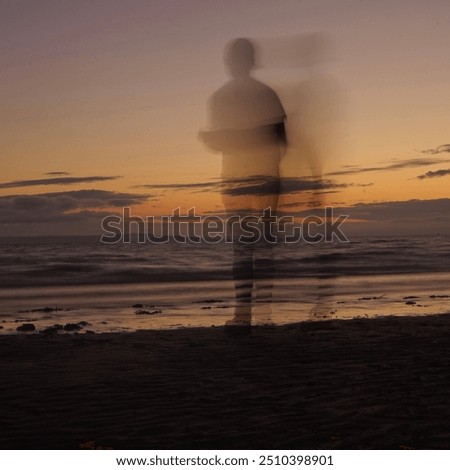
[(264, 253), (264, 277), (243, 283)]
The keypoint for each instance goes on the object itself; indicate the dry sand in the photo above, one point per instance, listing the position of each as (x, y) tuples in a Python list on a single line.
[(380, 383)]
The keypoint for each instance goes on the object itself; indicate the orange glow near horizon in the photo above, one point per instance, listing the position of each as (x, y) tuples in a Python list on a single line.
[(113, 91)]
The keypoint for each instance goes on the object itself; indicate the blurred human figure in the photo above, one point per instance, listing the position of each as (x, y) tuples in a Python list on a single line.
[(315, 99), (313, 137), (247, 125), (313, 104)]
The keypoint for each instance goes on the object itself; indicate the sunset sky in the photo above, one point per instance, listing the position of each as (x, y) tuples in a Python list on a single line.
[(102, 102)]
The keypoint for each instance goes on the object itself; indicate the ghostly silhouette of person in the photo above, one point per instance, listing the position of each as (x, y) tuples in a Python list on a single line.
[(314, 137), (247, 125)]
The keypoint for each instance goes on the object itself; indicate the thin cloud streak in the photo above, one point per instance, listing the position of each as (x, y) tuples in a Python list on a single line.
[(434, 174), (416, 210), (412, 163), (181, 186), (441, 149), (56, 181)]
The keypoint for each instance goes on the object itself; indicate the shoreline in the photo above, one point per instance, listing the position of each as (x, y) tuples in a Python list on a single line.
[(379, 383), (138, 307)]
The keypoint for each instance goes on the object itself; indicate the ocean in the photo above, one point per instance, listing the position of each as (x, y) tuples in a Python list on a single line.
[(126, 287)]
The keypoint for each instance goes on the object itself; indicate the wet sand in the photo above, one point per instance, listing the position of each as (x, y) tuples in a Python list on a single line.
[(357, 384)]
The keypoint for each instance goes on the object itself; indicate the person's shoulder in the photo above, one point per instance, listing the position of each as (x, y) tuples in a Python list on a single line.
[(221, 95), (268, 95), (224, 90), (265, 90), (263, 87)]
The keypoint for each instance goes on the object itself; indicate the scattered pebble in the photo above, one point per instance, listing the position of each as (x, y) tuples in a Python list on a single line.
[(147, 312), (92, 445), (46, 309)]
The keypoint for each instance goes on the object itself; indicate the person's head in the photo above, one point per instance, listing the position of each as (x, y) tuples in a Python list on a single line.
[(314, 50), (239, 57)]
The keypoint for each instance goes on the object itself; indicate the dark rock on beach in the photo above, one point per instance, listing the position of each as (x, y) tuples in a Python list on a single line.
[(26, 327), (52, 329), (72, 327)]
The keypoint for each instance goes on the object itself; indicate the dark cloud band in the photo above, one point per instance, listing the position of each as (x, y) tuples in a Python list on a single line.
[(258, 185), (62, 206)]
